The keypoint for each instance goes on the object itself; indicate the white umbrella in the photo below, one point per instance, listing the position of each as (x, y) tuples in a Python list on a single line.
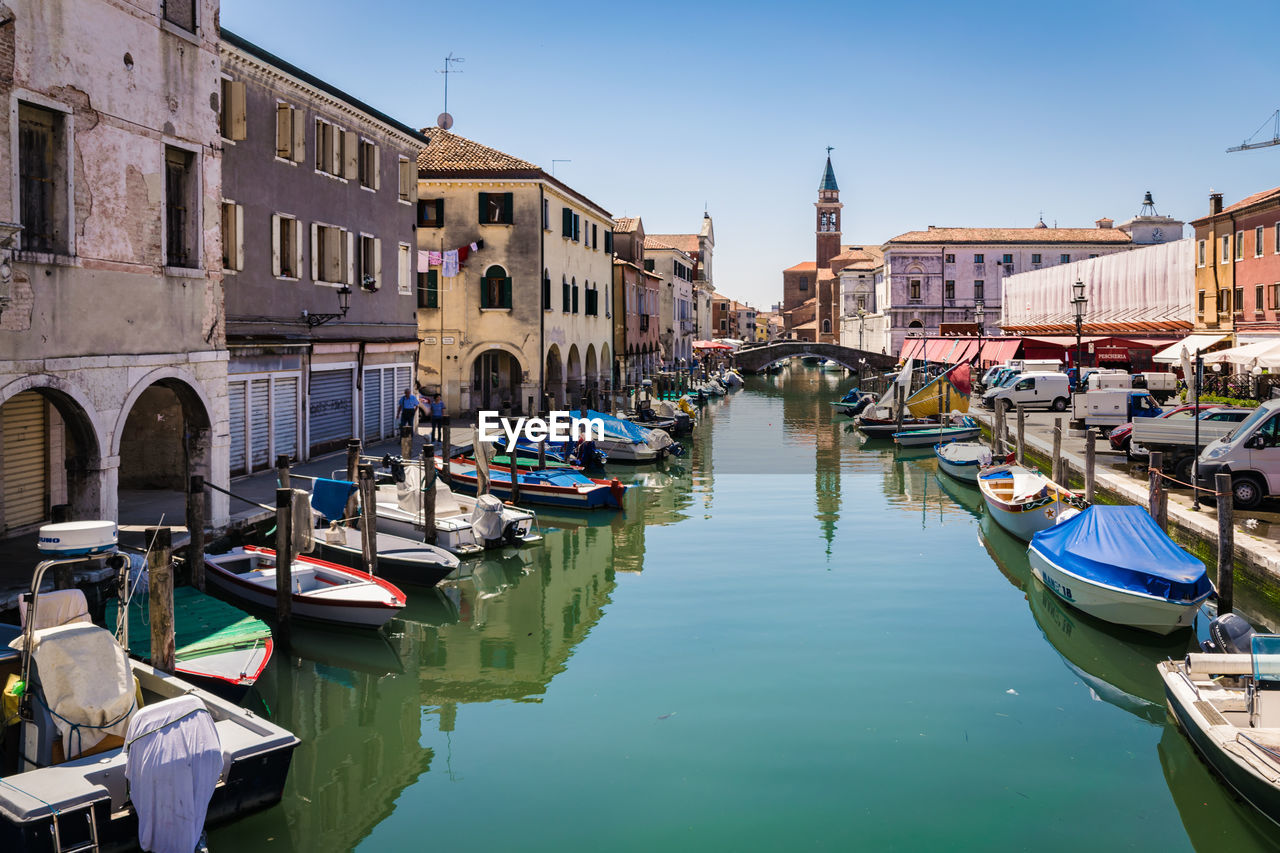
[(1246, 354)]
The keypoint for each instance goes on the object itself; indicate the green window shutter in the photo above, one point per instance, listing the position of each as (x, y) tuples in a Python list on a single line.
[(433, 289), (484, 206), (546, 293), (577, 228), (564, 298), (566, 222), (575, 299), (507, 213), (440, 212), (608, 242), (506, 292)]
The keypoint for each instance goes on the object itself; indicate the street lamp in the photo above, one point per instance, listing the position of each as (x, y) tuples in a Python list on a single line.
[(979, 313), (1079, 301), (344, 304)]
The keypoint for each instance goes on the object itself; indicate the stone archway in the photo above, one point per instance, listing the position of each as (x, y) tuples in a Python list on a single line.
[(590, 370), (553, 377), (606, 368), (573, 376), (163, 435), (495, 381)]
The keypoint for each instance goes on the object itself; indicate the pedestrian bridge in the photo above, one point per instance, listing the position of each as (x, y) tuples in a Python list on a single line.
[(754, 359)]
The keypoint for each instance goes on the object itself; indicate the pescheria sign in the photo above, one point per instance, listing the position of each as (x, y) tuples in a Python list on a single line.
[(558, 427)]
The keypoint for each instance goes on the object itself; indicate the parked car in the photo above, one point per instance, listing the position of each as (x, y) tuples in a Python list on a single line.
[(1121, 435), (1033, 390), (1250, 453)]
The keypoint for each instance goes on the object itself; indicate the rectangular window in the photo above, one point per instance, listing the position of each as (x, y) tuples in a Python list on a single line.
[(428, 289), (181, 203), (1239, 301), (408, 181), (332, 251), (950, 259), (593, 302), (181, 13), (1200, 253), (1239, 245), (231, 113), (649, 262), (495, 290), (949, 289), (546, 293), (335, 150), (595, 236), (367, 170), (431, 213), (42, 179), (1257, 299), (565, 299), (804, 282), (1006, 259), (404, 269), (566, 222), (575, 299), (369, 262), (546, 214), (1064, 259), (496, 209), (577, 228), (979, 259), (286, 247), (1224, 301), (232, 236), (1275, 296), (291, 133), (1226, 249), (1035, 259), (608, 242), (1257, 242), (1200, 303), (915, 288), (979, 288)]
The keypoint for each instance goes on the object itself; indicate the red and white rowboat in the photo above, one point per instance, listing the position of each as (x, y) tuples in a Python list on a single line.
[(322, 590)]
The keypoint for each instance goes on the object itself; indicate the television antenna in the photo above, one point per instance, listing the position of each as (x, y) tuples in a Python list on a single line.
[(1247, 145), (445, 121)]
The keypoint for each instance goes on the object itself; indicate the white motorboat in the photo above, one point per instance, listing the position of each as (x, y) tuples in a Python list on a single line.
[(323, 591), (400, 513), (1115, 563), (400, 560), (960, 429), (963, 459), (1023, 501)]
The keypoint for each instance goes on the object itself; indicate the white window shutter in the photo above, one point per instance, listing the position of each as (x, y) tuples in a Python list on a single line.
[(275, 244), (299, 134), (377, 169), (284, 130), (377, 263), (351, 155), (297, 249), (315, 252), (337, 160), (350, 257), (236, 110), (239, 237)]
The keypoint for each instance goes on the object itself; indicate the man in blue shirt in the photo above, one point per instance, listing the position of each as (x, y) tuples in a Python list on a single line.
[(437, 419), (408, 408)]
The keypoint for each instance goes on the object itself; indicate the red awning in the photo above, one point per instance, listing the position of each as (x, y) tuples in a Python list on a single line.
[(965, 350), (998, 351), (911, 348), (937, 349)]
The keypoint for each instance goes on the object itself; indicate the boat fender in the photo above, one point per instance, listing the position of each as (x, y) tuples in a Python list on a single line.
[(617, 490), (334, 535)]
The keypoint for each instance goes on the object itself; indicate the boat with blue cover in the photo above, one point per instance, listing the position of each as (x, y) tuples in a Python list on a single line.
[(563, 487), (625, 441), (1115, 563)]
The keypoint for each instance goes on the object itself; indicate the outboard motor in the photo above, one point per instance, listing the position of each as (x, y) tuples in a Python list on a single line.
[(1229, 634)]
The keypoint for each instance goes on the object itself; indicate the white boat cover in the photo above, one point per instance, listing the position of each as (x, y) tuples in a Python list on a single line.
[(60, 607), (85, 680), (174, 760), (657, 439), (966, 451), (486, 518)]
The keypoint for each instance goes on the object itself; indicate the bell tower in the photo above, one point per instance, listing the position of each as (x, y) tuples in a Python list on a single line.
[(828, 214)]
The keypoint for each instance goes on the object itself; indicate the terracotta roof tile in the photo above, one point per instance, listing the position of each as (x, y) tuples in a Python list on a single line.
[(1247, 201), (1014, 235), (687, 243), (625, 224), (807, 266), (449, 152), (659, 241)]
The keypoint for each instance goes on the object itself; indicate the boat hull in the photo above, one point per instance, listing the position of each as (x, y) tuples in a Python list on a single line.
[(928, 437), (1022, 521), (1110, 604), (399, 569), (599, 497), (965, 472), (886, 429)]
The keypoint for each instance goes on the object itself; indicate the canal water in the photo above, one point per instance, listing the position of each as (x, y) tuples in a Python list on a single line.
[(792, 639)]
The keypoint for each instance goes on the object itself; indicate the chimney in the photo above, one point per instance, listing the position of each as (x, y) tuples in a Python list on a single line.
[(1104, 222), (1215, 203)]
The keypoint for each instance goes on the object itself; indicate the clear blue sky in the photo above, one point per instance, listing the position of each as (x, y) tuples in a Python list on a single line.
[(940, 113)]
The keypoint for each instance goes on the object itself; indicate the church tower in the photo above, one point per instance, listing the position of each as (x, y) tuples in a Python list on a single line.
[(828, 205)]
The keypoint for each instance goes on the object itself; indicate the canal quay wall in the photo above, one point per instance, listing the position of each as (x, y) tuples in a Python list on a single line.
[(1256, 557)]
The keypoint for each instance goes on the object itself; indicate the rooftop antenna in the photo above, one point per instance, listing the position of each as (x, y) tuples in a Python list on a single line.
[(444, 121), (553, 165), (1247, 145)]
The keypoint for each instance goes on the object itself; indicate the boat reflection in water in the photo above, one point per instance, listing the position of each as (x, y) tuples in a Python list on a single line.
[(961, 494), (1215, 820)]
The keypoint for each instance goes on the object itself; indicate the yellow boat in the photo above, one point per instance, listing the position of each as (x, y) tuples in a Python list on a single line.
[(950, 390)]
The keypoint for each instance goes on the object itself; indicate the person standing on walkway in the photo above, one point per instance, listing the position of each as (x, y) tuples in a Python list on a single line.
[(408, 408), (437, 419)]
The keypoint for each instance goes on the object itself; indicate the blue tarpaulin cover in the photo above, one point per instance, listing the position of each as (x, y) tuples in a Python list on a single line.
[(617, 428), (329, 497), (1122, 547)]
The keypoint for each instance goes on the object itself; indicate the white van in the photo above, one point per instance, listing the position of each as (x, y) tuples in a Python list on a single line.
[(1250, 454), (1034, 390), (1041, 365), (1107, 380)]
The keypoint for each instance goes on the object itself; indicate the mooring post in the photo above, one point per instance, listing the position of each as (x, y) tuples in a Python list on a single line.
[(195, 527), (1090, 459), (406, 443), (353, 458), (282, 470), (1226, 543), (542, 454), (514, 459), (1058, 473), (368, 520), (1155, 489), (160, 598), (997, 431), (284, 561), (898, 399), (429, 494), (1022, 434), (446, 451)]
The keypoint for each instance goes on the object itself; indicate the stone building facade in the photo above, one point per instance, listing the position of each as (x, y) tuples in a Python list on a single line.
[(636, 292), (1238, 267)]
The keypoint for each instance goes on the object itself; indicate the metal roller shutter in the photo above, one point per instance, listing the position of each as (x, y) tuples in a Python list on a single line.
[(329, 409), (25, 448), (372, 404), (390, 402), (401, 383), (235, 395), (285, 415), (260, 423)]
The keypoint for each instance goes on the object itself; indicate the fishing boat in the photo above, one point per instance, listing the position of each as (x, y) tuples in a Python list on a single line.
[(400, 512), (881, 428), (1229, 709), (830, 366), (217, 645), (324, 591), (66, 780), (962, 429), (559, 452), (562, 488), (963, 459), (1115, 563), (1024, 501), (400, 560), (947, 392)]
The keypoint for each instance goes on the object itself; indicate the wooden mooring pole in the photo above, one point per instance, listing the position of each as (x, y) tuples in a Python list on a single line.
[(898, 399), (429, 494), (282, 470), (447, 450), (1090, 460), (542, 454), (353, 458), (1059, 475), (997, 433), (1157, 504), (160, 597), (406, 443), (368, 520), (1226, 543), (195, 526), (1022, 434), (514, 459), (284, 563)]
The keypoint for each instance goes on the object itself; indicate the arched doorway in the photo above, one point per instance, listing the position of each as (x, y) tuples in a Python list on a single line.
[(495, 381), (573, 376), (590, 369), (165, 437), (606, 368), (50, 460), (553, 377)]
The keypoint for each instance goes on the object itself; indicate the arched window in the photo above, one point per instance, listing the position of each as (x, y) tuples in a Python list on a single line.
[(495, 288), (826, 327)]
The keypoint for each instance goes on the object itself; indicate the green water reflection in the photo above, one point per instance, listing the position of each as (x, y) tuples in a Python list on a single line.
[(791, 639)]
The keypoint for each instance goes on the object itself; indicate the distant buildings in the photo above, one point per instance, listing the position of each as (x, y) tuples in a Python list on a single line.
[(1237, 275), (668, 256), (637, 291), (814, 280)]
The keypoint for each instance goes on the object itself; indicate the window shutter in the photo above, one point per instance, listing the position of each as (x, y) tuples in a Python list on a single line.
[(484, 207), (284, 131), (566, 222), (348, 257), (506, 292), (577, 228), (236, 110), (595, 236), (297, 248), (299, 128), (407, 183), (422, 212), (608, 242), (440, 212), (315, 252), (433, 289), (275, 244), (350, 155), (575, 299), (507, 204), (377, 170), (239, 237), (377, 263)]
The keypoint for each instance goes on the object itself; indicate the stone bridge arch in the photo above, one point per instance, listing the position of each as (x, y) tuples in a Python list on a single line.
[(756, 359)]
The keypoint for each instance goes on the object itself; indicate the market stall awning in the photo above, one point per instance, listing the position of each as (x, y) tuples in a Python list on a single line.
[(1173, 354), (1262, 354), (710, 345), (912, 348), (1000, 350)]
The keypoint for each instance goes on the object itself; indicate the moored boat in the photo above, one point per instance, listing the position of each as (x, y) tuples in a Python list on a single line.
[(400, 512), (1024, 501), (1115, 563), (400, 560), (886, 427), (963, 459), (324, 591), (963, 430), (562, 488)]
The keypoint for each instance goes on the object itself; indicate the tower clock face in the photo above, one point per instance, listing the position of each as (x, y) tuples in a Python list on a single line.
[(1157, 234)]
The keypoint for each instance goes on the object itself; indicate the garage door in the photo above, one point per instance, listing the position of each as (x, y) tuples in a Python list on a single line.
[(25, 448), (284, 415), (260, 423), (330, 409), (383, 388), (235, 395), (372, 404)]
